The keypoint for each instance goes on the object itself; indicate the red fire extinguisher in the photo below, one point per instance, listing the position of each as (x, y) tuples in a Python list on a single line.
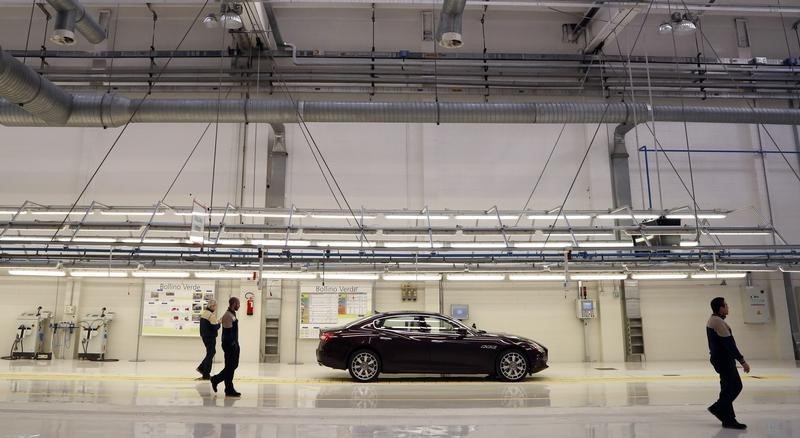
[(250, 303)]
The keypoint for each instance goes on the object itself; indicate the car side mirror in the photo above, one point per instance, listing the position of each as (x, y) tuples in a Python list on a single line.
[(462, 331)]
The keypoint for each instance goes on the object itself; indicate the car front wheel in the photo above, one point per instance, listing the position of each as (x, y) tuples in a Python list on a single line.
[(364, 366), (512, 366)]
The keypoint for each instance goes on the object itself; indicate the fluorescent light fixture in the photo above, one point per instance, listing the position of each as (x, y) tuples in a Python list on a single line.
[(560, 217), (476, 277), (487, 217), (478, 245), (148, 240), (37, 272), (195, 239), (349, 276), (689, 243), (637, 216), (99, 274), (11, 212), (597, 277), (412, 277), (25, 238), (225, 242), (536, 277), (579, 234), (280, 242), (341, 216), (717, 275), (422, 245), (614, 244), (349, 244), (542, 244), (739, 233), (433, 217), (699, 216), (274, 215), (222, 274), (160, 274), (87, 239), (59, 212), (289, 275), (205, 214), (659, 276), (129, 213)]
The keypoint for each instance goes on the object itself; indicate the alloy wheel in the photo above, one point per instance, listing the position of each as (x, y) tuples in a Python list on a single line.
[(364, 366), (513, 366)]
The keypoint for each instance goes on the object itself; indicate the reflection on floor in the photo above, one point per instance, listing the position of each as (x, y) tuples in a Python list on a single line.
[(162, 399)]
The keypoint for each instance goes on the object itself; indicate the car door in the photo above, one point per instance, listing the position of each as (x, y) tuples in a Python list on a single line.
[(452, 353), (402, 344)]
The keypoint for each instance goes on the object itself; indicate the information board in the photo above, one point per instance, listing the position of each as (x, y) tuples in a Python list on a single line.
[(332, 305), (172, 307)]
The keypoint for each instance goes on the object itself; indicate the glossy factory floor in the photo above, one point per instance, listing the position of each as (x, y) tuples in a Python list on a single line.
[(162, 399)]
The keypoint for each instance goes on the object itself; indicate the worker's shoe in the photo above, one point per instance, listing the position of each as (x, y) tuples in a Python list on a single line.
[(733, 424), (214, 385), (233, 394), (715, 411)]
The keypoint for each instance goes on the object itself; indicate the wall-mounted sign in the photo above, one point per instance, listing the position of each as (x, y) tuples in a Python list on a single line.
[(332, 305), (172, 307)]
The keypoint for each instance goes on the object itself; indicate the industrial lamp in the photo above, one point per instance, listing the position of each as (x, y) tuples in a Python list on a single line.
[(230, 16), (678, 24), (210, 21)]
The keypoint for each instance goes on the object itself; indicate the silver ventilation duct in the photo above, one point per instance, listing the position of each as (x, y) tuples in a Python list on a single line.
[(449, 32), (34, 101), (71, 14), (29, 93)]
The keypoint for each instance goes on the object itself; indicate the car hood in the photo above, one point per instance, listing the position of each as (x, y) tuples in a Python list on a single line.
[(510, 337)]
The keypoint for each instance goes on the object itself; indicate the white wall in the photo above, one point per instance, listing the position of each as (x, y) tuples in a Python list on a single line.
[(674, 315)]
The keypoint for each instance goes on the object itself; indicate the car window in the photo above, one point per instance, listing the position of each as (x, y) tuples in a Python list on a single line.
[(406, 323), (437, 325)]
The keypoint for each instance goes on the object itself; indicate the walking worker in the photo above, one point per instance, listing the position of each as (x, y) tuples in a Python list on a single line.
[(724, 355), (209, 326), (230, 346)]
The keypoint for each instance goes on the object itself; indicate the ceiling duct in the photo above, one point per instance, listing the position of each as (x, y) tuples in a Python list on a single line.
[(71, 15), (31, 93), (33, 100), (449, 33)]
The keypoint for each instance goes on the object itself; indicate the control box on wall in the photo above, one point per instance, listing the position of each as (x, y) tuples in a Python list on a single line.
[(755, 305)]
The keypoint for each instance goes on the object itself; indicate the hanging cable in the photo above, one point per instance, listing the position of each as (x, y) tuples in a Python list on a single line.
[(28, 37), (113, 48), (485, 62), (316, 152), (216, 126), (125, 127)]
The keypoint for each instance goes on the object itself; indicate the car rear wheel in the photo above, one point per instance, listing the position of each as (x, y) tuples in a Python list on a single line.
[(512, 366), (364, 366)]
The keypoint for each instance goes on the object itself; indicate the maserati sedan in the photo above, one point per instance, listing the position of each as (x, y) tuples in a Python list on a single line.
[(424, 342)]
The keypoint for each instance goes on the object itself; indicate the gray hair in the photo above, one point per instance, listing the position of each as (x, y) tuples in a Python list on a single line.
[(211, 303)]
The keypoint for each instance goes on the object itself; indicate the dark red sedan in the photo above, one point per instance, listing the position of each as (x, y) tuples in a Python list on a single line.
[(424, 342)]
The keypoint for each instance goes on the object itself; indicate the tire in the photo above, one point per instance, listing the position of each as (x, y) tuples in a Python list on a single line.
[(512, 366), (364, 366)]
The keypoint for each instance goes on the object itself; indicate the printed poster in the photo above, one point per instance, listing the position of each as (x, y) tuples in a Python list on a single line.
[(173, 307), (332, 305)]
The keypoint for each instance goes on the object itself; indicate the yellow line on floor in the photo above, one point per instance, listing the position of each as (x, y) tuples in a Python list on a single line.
[(277, 380)]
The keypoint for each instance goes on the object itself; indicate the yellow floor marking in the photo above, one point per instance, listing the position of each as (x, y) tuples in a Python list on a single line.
[(277, 380)]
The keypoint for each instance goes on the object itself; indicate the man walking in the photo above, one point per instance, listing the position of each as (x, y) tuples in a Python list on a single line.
[(209, 326), (724, 355), (230, 346)]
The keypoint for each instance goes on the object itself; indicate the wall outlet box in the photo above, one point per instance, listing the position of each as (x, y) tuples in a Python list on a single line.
[(69, 310)]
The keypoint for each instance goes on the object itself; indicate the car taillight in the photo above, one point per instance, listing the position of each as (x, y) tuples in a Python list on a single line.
[(325, 336)]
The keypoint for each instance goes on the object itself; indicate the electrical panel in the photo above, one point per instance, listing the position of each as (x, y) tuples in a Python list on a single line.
[(586, 308), (755, 303), (408, 292)]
